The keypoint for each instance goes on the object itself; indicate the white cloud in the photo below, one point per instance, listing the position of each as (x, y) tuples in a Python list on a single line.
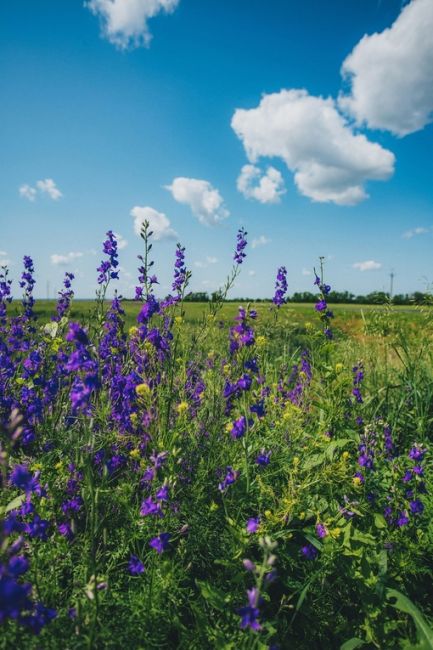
[(252, 273), (125, 274), (415, 231), (260, 241), (209, 260), (48, 186), (391, 74), (330, 162), (159, 223), (27, 192), (306, 271), (266, 188), (204, 200), (63, 260), (368, 265), (124, 22), (4, 260), (121, 241)]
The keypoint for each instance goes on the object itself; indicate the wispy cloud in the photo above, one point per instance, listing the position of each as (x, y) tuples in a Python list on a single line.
[(121, 241), (63, 260), (368, 265), (27, 192), (260, 241), (46, 186), (415, 231), (204, 264)]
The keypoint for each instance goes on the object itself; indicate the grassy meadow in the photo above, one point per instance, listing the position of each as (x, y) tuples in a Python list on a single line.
[(181, 475)]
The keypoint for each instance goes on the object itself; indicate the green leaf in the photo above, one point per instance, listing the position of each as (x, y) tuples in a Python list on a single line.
[(379, 520), (314, 541), (355, 642), (403, 604), (363, 538), (15, 503), (213, 595), (314, 461)]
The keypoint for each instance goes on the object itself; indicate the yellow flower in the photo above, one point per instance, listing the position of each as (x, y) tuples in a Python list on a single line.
[(268, 514), (338, 367), (335, 532), (142, 390), (182, 407), (133, 418), (261, 341), (296, 460), (178, 320), (134, 453), (36, 466), (226, 369), (356, 481), (345, 455), (302, 515), (133, 330), (308, 325), (58, 466)]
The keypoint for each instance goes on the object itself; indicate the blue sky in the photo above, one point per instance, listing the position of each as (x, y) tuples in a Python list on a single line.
[(232, 114)]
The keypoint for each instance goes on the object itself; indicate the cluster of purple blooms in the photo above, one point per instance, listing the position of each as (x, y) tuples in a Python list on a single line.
[(414, 486), (65, 297), (83, 368), (16, 596), (122, 365), (107, 268), (241, 244), (358, 378), (280, 287), (180, 272), (322, 308)]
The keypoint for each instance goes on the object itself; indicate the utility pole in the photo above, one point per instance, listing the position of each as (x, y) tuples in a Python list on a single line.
[(391, 288)]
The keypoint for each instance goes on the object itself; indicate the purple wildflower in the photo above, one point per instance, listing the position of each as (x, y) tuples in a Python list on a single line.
[(160, 543)]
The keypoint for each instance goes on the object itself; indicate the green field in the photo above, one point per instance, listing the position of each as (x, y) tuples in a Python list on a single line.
[(348, 316)]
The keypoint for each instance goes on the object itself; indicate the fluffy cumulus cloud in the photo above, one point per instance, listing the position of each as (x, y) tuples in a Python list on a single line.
[(204, 200), (125, 22), (391, 74), (260, 241), (46, 186), (409, 234), (368, 265), (64, 260), (266, 188), (330, 162), (159, 223)]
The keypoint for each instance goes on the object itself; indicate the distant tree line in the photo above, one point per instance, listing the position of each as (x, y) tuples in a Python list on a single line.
[(336, 297)]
